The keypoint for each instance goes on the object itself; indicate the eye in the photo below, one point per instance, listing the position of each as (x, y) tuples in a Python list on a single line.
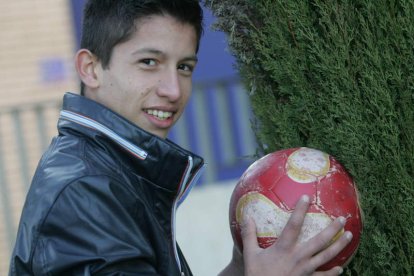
[(148, 61), (188, 68)]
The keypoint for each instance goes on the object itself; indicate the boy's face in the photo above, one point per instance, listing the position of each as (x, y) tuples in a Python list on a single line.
[(149, 77)]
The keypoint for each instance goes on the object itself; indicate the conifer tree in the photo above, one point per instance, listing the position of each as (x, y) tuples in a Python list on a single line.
[(338, 76)]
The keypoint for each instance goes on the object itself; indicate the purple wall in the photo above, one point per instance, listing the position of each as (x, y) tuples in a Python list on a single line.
[(215, 60)]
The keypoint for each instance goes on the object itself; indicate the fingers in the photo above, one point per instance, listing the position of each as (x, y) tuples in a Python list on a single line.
[(248, 234), (287, 255), (324, 238), (327, 254), (292, 229), (318, 245)]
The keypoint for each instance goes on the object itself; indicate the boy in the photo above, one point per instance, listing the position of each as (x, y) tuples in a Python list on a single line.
[(103, 198)]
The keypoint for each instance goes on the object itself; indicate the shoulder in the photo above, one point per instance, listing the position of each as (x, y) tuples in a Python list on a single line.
[(69, 158), (90, 217), (75, 170)]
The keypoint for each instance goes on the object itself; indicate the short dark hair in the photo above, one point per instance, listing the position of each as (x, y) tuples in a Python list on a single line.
[(107, 23)]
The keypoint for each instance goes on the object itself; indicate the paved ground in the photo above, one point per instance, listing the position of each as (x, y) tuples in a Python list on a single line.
[(203, 231)]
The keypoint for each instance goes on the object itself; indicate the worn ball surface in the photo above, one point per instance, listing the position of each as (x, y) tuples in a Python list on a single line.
[(270, 188)]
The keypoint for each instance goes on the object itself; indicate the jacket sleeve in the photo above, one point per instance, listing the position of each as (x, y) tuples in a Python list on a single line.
[(96, 226)]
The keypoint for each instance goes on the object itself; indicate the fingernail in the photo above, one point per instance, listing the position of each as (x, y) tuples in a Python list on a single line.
[(348, 235), (305, 198), (342, 220), (340, 271)]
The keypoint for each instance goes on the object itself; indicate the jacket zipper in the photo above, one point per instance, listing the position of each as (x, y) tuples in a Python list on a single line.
[(182, 191), (90, 123)]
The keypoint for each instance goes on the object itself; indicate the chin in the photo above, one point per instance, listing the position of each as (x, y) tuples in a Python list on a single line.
[(161, 134)]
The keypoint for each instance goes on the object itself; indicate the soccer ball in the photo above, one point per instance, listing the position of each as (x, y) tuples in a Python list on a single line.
[(270, 188)]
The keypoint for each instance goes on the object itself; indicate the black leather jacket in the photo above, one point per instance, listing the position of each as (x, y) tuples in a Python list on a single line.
[(103, 199)]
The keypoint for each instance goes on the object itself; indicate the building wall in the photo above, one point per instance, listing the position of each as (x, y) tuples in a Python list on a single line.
[(36, 50)]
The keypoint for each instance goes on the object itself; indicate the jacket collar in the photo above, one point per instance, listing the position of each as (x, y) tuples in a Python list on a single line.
[(152, 156)]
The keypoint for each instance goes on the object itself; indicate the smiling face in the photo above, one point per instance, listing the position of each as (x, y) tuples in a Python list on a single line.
[(149, 77)]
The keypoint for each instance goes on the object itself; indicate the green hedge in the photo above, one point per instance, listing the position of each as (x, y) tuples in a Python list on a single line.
[(338, 76)]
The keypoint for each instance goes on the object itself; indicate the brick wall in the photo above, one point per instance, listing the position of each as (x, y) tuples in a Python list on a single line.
[(36, 65)]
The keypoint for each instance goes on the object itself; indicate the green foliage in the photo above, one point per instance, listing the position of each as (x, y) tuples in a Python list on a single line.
[(338, 76)]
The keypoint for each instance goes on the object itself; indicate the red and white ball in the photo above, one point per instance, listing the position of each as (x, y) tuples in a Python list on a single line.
[(270, 188)]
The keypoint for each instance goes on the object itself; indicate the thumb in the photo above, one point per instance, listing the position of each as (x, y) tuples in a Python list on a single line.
[(248, 234)]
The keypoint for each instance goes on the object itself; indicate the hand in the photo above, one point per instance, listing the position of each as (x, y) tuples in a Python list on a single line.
[(288, 257)]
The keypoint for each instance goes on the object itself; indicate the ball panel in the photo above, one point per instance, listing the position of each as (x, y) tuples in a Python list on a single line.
[(290, 191), (307, 165), (269, 218)]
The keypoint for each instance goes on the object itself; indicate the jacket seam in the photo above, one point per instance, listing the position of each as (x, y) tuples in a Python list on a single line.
[(45, 158), (41, 225), (43, 257)]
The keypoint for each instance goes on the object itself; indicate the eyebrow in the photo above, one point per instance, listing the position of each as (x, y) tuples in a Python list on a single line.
[(193, 58), (148, 50)]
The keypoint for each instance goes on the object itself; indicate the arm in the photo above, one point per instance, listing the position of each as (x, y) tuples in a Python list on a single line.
[(91, 230), (286, 256), (235, 267)]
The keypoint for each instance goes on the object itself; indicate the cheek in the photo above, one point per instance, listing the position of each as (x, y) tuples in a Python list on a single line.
[(186, 88), (187, 93), (145, 91), (186, 98), (135, 99), (134, 88)]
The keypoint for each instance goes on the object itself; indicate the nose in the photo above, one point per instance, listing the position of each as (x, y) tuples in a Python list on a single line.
[(169, 86)]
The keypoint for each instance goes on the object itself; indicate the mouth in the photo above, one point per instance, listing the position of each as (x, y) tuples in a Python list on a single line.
[(159, 114)]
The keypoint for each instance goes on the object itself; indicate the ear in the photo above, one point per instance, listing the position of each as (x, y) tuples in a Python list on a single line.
[(86, 63)]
